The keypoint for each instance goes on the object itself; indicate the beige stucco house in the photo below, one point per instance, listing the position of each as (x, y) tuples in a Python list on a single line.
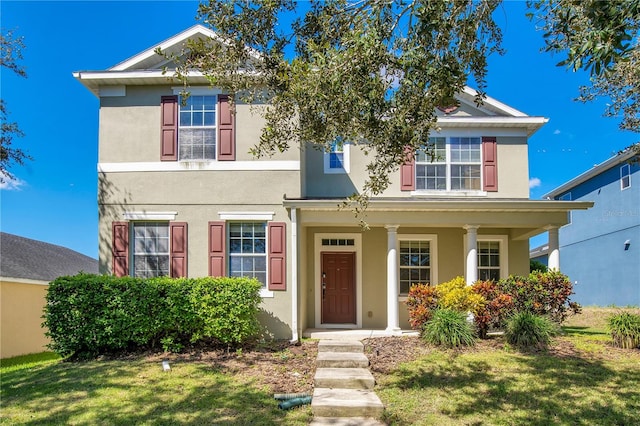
[(180, 195)]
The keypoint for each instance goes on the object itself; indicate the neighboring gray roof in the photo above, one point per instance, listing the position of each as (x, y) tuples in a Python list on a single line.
[(36, 260), (542, 250)]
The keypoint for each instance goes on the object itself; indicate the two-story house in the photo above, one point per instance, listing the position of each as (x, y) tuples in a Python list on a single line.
[(180, 195), (599, 247)]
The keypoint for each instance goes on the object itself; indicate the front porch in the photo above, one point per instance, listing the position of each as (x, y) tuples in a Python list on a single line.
[(352, 283)]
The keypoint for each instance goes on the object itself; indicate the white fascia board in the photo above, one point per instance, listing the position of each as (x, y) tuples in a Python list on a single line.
[(181, 166), (23, 281), (449, 205), (495, 103), (530, 124), (594, 171), (172, 41)]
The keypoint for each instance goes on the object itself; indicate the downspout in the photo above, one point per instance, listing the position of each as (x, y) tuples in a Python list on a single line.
[(294, 276)]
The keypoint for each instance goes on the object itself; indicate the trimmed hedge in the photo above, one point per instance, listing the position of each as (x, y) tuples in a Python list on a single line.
[(88, 315)]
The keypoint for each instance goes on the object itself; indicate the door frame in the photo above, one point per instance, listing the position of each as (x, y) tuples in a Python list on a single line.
[(318, 248)]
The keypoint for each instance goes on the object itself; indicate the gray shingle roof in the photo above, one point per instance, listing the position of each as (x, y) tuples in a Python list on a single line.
[(36, 260)]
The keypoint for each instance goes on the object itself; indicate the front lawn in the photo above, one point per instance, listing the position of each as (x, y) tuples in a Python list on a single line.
[(137, 391), (580, 379)]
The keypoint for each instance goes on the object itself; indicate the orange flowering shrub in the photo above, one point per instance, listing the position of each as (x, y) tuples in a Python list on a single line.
[(422, 301)]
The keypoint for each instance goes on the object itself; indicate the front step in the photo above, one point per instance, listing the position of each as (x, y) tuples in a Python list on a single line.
[(351, 346), (342, 360), (346, 403), (345, 378)]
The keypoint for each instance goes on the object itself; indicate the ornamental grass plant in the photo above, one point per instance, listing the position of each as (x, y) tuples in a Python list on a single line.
[(625, 330), (526, 330), (449, 328)]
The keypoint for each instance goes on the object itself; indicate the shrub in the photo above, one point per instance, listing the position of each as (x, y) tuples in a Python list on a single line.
[(535, 266), (541, 293), (497, 308), (87, 315), (449, 328), (422, 301), (457, 295), (625, 330), (527, 330)]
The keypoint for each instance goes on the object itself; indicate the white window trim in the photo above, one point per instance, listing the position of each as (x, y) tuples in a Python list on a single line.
[(450, 192), (433, 253), (318, 249), (150, 215), (628, 168), (246, 216), (265, 293), (346, 148), (503, 241)]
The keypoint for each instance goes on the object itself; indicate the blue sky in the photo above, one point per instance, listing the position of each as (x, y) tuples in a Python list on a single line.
[(55, 197)]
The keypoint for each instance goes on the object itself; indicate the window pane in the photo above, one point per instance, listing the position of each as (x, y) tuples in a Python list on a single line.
[(247, 250), (196, 136)]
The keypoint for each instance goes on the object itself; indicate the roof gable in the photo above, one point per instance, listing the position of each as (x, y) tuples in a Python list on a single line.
[(149, 59)]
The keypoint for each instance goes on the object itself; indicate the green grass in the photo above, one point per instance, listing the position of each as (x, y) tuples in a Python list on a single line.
[(495, 385), (130, 392)]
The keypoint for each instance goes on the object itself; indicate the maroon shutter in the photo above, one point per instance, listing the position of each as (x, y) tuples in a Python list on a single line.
[(490, 163), (169, 128), (408, 173), (178, 253), (217, 237), (120, 249), (277, 235), (226, 131)]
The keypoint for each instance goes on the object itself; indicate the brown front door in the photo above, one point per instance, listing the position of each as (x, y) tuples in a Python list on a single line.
[(338, 288)]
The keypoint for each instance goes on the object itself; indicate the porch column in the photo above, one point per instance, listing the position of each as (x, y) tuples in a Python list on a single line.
[(294, 276), (554, 248), (471, 273), (392, 279)]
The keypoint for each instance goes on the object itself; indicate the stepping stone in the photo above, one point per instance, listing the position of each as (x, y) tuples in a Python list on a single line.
[(342, 360), (346, 403), (345, 378)]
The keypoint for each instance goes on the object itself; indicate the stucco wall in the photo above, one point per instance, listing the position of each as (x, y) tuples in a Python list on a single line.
[(130, 127), (513, 171), (21, 309)]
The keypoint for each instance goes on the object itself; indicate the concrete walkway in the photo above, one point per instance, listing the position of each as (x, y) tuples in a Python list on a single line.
[(343, 386)]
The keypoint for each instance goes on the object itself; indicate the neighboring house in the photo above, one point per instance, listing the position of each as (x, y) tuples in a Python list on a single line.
[(600, 247), (540, 254), (180, 195), (26, 269)]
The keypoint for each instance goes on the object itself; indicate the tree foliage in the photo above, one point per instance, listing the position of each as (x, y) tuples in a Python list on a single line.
[(371, 72), (10, 56), (600, 37)]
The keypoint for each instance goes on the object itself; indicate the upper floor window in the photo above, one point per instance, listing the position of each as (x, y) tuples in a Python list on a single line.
[(202, 129), (625, 176), (197, 128), (449, 164), (336, 160)]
